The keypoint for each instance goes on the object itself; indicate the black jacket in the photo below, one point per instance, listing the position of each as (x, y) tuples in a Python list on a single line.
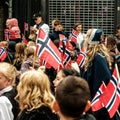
[(87, 117), (42, 113), (11, 95)]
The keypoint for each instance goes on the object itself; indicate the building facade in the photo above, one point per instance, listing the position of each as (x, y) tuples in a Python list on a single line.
[(103, 14)]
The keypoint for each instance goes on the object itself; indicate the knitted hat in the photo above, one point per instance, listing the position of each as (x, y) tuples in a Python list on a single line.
[(95, 37)]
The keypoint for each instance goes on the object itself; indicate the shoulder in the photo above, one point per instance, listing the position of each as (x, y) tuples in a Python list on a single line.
[(42, 113), (88, 117), (5, 109), (99, 57), (4, 100), (45, 26)]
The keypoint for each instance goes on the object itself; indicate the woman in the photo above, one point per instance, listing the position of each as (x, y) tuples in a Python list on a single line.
[(62, 73), (35, 97), (97, 66), (81, 35)]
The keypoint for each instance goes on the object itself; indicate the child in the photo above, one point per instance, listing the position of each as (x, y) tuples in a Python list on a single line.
[(8, 106), (75, 101), (63, 73), (35, 97)]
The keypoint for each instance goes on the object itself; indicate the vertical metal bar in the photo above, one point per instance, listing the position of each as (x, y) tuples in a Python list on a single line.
[(10, 9)]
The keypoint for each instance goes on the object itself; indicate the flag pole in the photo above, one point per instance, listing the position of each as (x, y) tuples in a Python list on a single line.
[(118, 82), (117, 73)]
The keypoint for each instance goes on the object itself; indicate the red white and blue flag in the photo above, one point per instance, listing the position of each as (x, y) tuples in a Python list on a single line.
[(47, 51), (109, 96), (74, 35), (81, 58), (96, 102), (3, 53), (24, 39), (64, 50)]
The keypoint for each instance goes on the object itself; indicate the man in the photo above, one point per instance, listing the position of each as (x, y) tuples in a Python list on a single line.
[(39, 23), (73, 99)]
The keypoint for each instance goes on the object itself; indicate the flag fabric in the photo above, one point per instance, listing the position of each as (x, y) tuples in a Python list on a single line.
[(24, 39), (81, 58), (96, 102), (3, 53), (66, 58), (65, 52), (109, 97), (25, 26), (73, 36), (43, 63), (46, 50)]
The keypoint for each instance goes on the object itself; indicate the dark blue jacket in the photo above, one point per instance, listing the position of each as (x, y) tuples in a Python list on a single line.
[(97, 72)]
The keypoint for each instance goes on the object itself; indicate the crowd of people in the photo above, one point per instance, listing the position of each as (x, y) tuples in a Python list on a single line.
[(31, 90)]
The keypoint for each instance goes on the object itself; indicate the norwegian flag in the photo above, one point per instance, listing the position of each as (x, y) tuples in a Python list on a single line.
[(46, 50), (74, 35), (65, 52), (81, 58), (43, 63), (25, 26), (96, 102), (3, 53), (66, 58), (24, 39), (109, 97)]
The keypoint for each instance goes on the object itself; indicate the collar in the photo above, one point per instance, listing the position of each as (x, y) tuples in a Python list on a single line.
[(7, 89)]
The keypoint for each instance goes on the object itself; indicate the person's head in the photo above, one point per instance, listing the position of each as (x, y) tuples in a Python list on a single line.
[(72, 97), (20, 50), (52, 23), (8, 23), (118, 29), (37, 17), (63, 73), (58, 25), (30, 51), (4, 44), (34, 90), (7, 75), (94, 44), (110, 42), (31, 43), (78, 27), (13, 22)]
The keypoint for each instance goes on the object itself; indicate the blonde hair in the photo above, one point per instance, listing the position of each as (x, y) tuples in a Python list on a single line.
[(9, 71), (92, 49), (30, 51), (4, 43), (35, 87)]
